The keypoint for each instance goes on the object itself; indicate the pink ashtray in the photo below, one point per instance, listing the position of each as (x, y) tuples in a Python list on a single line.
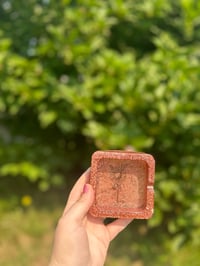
[(123, 184)]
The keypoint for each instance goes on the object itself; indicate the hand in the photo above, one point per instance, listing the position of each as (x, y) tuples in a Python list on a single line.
[(80, 239)]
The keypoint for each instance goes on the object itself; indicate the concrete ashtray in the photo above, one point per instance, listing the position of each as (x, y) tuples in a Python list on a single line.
[(123, 184)]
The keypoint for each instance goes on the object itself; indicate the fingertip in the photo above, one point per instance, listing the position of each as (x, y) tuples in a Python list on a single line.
[(85, 188), (80, 209), (88, 192)]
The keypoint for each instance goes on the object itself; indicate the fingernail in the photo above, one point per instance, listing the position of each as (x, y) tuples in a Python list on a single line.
[(85, 188)]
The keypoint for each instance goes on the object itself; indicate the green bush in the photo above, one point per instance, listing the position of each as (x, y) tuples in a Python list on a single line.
[(76, 76)]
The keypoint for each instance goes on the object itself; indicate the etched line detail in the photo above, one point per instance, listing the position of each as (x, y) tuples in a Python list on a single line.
[(121, 183)]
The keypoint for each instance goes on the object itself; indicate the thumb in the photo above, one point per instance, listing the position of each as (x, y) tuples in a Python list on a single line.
[(79, 209)]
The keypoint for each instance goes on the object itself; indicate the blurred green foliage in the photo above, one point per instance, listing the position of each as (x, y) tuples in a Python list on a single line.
[(76, 76)]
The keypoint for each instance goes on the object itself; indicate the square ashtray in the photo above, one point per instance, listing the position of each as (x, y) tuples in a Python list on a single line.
[(123, 184)]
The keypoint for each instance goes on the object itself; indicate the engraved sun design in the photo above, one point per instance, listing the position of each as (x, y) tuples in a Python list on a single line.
[(117, 174)]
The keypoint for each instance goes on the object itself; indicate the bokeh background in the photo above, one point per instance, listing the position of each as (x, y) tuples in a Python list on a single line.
[(77, 76)]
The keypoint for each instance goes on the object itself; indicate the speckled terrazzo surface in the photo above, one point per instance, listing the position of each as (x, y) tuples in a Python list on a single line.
[(123, 184)]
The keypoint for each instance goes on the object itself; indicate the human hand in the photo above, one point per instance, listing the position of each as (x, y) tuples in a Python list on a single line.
[(80, 239)]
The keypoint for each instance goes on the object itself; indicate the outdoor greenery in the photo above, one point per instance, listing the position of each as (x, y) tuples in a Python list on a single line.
[(76, 76)]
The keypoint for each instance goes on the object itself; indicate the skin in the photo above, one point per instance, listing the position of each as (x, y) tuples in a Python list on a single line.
[(80, 239)]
